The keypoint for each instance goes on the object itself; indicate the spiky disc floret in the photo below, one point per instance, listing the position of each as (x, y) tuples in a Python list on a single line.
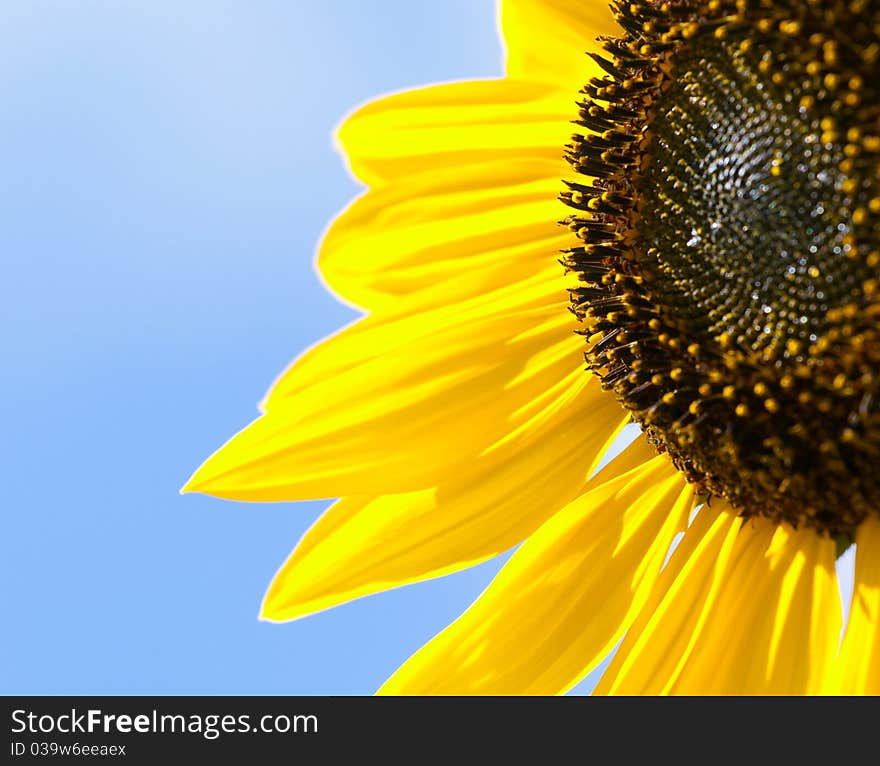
[(729, 252)]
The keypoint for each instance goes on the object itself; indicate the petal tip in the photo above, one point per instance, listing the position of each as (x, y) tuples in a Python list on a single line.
[(264, 616), (278, 608), (199, 482), (279, 615), (190, 487), (267, 613)]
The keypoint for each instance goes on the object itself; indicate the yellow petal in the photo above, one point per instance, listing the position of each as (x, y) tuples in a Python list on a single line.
[(407, 329), (858, 666), (365, 545), (451, 234), (394, 405), (775, 627), (762, 620), (546, 39), (663, 635), (456, 124), (562, 601)]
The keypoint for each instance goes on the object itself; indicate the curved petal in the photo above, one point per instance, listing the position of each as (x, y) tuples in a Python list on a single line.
[(492, 324), (763, 620), (365, 545), (546, 39), (455, 125), (857, 668), (393, 405), (492, 223), (776, 625), (563, 600), (663, 635)]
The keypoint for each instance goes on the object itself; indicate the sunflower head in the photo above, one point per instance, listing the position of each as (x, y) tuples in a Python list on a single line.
[(728, 258), (730, 251)]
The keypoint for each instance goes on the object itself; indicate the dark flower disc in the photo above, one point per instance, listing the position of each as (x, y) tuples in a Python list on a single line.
[(729, 254)]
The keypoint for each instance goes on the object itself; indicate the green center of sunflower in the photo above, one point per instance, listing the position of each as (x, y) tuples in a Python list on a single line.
[(730, 246)]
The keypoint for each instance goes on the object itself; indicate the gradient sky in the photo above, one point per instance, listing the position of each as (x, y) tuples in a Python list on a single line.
[(167, 169)]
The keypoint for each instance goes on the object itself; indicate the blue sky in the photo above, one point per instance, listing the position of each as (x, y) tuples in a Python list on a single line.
[(167, 169)]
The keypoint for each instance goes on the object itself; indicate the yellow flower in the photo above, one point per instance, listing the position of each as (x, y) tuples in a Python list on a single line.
[(722, 262)]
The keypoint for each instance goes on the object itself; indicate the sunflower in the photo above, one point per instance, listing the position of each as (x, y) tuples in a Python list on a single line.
[(720, 257)]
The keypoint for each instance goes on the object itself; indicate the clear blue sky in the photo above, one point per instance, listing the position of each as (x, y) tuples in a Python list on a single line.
[(166, 169)]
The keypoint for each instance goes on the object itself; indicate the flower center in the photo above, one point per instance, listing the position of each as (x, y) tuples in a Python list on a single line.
[(730, 253)]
